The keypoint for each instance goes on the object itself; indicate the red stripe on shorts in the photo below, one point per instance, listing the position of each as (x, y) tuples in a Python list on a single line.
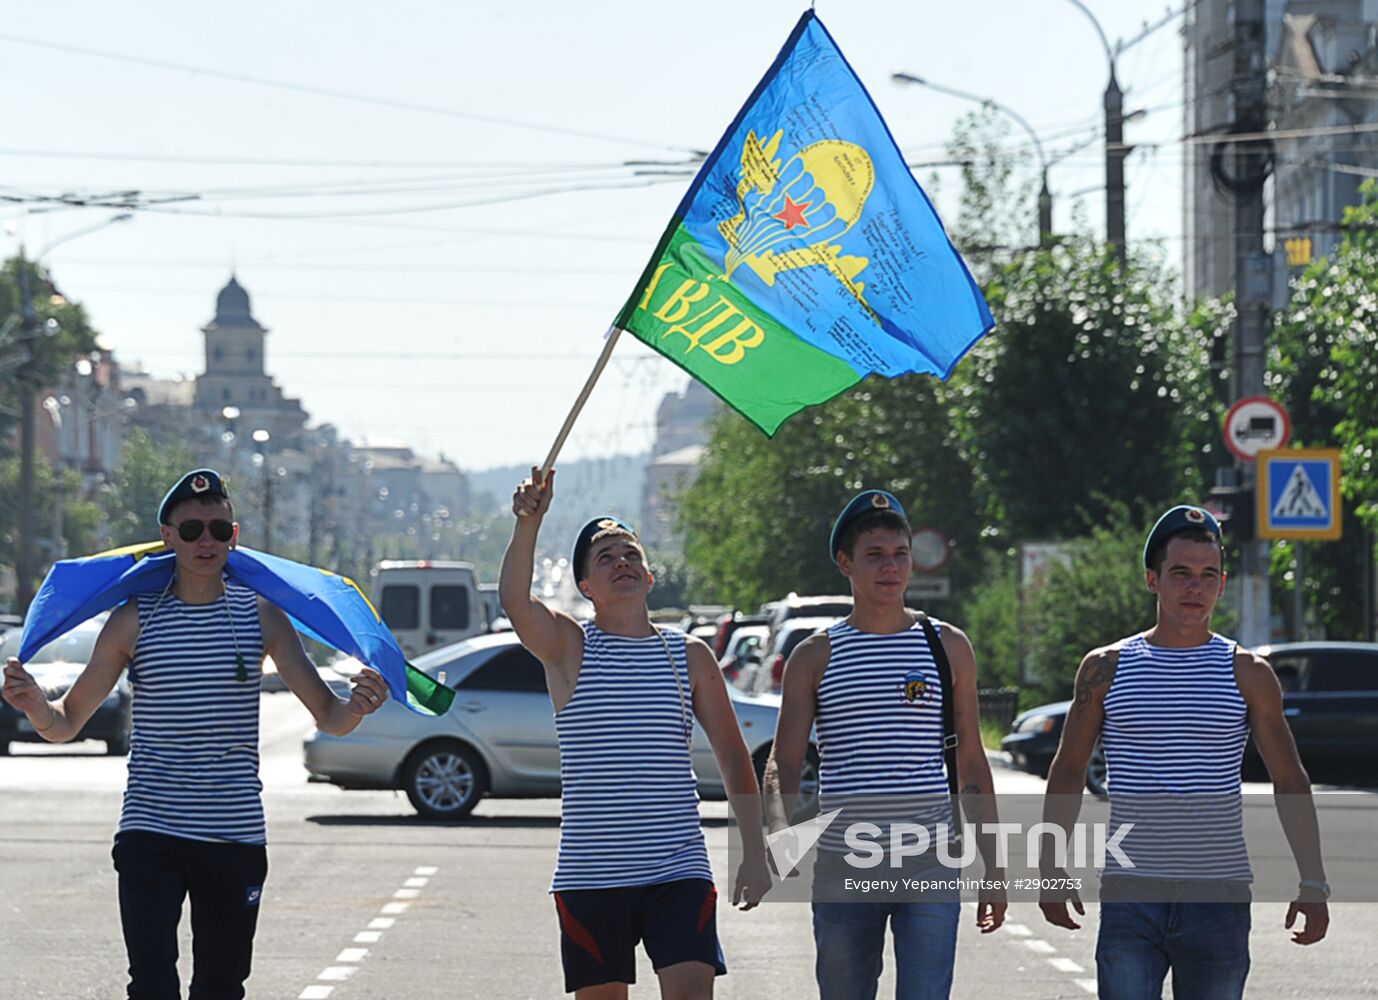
[(577, 932), (706, 912)]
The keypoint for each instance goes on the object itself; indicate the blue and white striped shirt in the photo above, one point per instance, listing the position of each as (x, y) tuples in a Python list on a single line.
[(630, 811), (1174, 734), (193, 757), (880, 732)]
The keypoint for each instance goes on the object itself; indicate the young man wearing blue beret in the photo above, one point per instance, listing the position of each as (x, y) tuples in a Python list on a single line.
[(874, 686), (192, 823), (633, 865), (1173, 708)]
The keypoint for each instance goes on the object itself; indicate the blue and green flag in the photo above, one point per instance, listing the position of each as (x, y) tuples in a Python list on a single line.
[(805, 257), (327, 607)]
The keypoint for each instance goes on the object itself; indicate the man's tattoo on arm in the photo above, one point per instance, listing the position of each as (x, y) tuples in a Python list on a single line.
[(1096, 675)]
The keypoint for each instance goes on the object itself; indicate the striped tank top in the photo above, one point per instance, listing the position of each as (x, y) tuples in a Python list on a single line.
[(193, 754), (879, 722), (1174, 735), (630, 810)]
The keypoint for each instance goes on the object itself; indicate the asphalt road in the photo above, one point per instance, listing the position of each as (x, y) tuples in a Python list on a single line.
[(364, 900)]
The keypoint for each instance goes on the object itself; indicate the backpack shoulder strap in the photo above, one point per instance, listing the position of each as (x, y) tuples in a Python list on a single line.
[(940, 660)]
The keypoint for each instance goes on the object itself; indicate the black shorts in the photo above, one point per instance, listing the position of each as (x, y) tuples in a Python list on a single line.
[(600, 929)]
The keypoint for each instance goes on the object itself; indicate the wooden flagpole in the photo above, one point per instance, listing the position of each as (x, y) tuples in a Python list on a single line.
[(602, 362)]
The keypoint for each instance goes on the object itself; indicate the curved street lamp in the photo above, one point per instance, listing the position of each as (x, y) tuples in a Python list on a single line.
[(1045, 198)]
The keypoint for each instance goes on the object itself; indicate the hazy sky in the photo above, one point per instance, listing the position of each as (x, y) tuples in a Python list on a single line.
[(430, 203)]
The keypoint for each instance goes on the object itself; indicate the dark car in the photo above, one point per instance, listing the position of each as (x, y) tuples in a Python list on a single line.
[(1033, 739), (55, 667), (1329, 698)]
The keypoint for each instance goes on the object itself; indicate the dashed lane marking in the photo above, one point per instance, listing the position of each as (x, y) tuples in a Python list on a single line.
[(347, 961)]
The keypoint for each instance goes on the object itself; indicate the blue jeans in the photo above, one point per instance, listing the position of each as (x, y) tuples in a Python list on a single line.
[(850, 939), (1205, 944)]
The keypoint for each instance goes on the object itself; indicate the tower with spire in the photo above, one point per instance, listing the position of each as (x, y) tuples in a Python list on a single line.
[(236, 379)]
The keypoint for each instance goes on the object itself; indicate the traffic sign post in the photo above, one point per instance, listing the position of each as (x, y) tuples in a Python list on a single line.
[(1298, 494)]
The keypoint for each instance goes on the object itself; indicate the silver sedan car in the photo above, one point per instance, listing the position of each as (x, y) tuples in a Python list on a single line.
[(499, 738)]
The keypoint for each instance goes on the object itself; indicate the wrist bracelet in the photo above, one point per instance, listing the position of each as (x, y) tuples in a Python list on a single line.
[(1316, 885)]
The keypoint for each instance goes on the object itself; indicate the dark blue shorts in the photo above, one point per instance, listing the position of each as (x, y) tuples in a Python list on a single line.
[(600, 929)]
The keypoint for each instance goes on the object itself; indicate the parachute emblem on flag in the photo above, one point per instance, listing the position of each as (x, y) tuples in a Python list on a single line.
[(789, 216)]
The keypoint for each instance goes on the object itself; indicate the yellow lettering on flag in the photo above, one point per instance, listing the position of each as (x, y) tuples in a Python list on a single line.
[(677, 306), (730, 347), (655, 280)]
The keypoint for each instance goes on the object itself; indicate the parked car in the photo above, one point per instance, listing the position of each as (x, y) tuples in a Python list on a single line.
[(1033, 740), (743, 650), (1329, 698), (766, 675), (498, 739), (808, 606), (728, 623), (55, 667)]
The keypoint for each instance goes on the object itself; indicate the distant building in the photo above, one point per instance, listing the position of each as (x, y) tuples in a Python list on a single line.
[(682, 431), (1326, 69), (1322, 69), (235, 375)]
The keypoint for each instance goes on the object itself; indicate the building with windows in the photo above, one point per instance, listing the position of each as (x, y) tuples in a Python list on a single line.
[(1323, 104)]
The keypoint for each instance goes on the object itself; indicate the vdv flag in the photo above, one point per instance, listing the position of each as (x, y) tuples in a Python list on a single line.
[(805, 256), (322, 605)]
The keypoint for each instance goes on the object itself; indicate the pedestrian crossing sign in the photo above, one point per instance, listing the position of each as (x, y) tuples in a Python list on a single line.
[(1298, 494)]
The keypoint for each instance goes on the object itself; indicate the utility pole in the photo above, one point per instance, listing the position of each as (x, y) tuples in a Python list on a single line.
[(24, 562), (1253, 282), (1115, 153)]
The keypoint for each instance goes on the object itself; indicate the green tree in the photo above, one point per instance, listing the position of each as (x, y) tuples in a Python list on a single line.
[(1085, 394), (757, 519), (81, 519), (146, 471), (1324, 367), (58, 335)]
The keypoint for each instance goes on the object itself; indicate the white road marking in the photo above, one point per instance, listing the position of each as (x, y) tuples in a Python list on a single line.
[(346, 962), (1040, 946), (1018, 930), (1065, 965), (1089, 985)]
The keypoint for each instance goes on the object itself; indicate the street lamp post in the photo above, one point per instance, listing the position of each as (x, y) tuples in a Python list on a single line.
[(261, 438), (1045, 198), (1115, 149), (24, 557)]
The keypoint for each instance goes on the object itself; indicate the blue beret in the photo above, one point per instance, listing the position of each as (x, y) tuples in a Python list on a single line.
[(1180, 518), (199, 484), (862, 503), (585, 539)]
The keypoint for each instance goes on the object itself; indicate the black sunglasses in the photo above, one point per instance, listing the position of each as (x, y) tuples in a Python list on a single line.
[(190, 530)]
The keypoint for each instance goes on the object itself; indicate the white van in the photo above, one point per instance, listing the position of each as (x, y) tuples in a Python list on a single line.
[(428, 604)]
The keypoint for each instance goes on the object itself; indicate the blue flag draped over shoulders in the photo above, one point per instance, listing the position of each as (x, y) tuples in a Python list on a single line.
[(323, 605)]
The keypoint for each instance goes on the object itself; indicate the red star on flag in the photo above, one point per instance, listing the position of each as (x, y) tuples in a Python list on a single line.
[(793, 215)]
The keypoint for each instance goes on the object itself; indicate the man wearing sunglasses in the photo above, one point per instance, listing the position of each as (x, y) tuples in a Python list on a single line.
[(192, 822)]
